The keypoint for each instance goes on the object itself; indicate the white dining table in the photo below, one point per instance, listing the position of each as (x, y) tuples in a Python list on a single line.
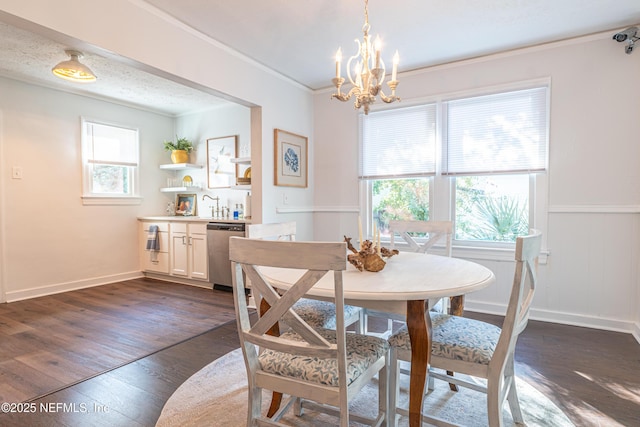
[(403, 287)]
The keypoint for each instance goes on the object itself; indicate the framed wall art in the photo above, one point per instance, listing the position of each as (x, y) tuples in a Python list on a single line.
[(186, 204), (221, 173), (290, 159)]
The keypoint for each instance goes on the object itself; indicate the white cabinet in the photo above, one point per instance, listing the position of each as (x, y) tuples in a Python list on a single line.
[(157, 262), (188, 254)]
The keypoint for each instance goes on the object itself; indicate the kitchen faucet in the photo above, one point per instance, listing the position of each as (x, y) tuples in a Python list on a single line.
[(215, 213)]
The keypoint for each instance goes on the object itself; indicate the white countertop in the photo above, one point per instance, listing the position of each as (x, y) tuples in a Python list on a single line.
[(192, 219)]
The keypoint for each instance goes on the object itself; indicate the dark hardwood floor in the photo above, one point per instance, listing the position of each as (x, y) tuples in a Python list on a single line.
[(592, 375), (49, 343)]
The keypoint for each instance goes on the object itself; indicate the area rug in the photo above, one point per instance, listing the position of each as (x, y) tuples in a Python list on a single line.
[(217, 396)]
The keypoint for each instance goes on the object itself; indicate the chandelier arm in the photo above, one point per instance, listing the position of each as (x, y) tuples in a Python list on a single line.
[(349, 69), (388, 99), (346, 96)]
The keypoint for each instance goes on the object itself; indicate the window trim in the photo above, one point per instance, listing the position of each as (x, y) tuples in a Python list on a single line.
[(90, 198)]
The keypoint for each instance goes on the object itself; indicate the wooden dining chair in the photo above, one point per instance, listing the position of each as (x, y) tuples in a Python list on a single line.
[(477, 348), (320, 368), (317, 313), (422, 237)]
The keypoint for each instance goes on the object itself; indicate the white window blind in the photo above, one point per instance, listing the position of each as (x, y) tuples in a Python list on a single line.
[(399, 143), (501, 133), (110, 145)]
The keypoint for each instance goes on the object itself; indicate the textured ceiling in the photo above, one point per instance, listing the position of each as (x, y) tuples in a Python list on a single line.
[(29, 57), (298, 39)]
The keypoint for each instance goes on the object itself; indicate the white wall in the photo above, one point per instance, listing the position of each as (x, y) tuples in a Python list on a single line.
[(51, 241), (591, 277)]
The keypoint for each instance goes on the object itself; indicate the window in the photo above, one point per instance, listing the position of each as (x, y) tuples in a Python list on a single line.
[(492, 208), (110, 160), (491, 148), (397, 162)]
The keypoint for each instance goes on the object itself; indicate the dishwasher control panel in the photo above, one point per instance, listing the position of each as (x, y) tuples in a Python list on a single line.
[(225, 226)]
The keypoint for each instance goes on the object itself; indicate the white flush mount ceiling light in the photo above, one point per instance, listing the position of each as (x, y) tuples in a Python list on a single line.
[(368, 72), (73, 70)]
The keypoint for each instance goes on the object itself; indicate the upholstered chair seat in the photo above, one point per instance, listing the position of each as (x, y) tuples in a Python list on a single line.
[(362, 352), (321, 314), (457, 338)]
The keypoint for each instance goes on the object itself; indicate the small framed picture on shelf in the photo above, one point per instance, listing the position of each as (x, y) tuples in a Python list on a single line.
[(290, 168), (186, 204)]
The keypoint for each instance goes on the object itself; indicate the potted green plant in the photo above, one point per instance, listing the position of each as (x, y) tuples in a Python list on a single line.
[(179, 150)]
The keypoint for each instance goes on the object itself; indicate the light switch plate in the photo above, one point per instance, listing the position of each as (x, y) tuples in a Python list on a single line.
[(16, 172)]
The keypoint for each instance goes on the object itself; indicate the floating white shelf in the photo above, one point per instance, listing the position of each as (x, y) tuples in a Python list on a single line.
[(243, 160), (177, 189), (180, 166), (241, 187)]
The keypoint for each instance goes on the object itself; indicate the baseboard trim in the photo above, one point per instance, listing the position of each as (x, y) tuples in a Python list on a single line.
[(58, 288), (176, 279), (562, 318)]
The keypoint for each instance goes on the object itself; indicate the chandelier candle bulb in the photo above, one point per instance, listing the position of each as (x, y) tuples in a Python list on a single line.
[(375, 234), (338, 61), (396, 60), (378, 46)]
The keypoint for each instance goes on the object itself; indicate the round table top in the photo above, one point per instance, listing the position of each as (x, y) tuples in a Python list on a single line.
[(407, 276)]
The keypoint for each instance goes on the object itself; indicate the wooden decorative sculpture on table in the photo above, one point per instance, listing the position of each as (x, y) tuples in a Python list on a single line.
[(369, 257)]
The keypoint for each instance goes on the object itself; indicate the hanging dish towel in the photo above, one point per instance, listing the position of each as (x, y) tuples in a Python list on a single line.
[(153, 242), (153, 239)]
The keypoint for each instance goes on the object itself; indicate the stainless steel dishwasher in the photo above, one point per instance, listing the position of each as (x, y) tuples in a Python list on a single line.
[(218, 234)]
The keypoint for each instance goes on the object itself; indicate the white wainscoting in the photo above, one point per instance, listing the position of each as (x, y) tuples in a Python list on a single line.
[(588, 275)]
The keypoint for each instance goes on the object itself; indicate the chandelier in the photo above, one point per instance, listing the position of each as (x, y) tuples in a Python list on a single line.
[(369, 71)]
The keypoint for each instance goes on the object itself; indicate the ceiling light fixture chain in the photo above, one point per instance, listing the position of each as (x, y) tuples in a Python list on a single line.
[(369, 71)]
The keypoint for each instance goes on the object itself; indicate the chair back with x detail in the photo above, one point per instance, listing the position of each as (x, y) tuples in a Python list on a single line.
[(318, 367), (477, 348), (317, 313), (432, 231)]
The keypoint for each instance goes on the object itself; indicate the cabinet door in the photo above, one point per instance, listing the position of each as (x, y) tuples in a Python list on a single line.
[(179, 254), (157, 262), (199, 258)]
